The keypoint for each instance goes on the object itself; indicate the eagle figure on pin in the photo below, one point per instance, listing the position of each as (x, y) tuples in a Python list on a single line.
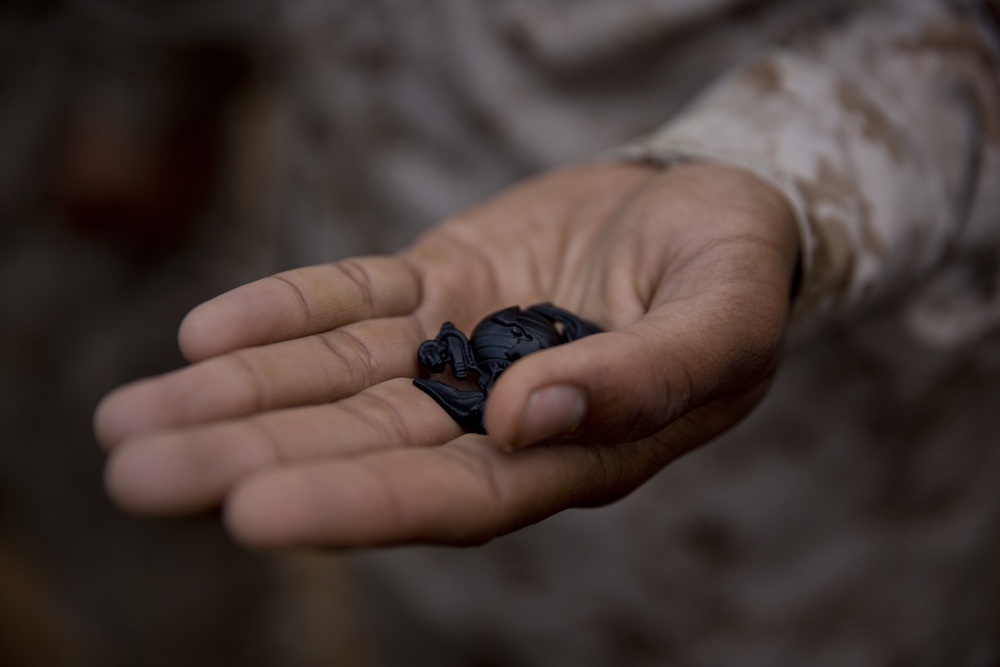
[(497, 342)]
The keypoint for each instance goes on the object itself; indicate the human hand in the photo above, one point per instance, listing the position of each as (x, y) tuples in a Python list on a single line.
[(299, 418)]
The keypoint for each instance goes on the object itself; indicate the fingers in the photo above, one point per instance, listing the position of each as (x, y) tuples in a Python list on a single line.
[(629, 384), (465, 492), (299, 303), (192, 469), (309, 370)]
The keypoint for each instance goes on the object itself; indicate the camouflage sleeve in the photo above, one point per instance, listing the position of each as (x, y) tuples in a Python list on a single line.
[(883, 130)]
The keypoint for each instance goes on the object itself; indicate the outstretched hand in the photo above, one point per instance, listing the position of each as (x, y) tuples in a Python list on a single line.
[(298, 415)]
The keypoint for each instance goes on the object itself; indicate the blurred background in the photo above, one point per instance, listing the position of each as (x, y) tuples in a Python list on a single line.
[(137, 153)]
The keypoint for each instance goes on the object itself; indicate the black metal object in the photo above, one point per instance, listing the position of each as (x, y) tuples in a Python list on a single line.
[(497, 342)]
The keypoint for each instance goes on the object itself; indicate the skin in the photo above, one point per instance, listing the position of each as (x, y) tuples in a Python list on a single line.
[(297, 415)]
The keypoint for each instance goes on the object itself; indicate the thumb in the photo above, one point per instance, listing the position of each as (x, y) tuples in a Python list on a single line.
[(628, 384)]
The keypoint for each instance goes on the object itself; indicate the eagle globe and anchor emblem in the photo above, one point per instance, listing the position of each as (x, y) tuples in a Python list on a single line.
[(496, 342)]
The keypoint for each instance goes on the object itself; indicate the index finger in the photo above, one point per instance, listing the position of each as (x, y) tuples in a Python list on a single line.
[(299, 303)]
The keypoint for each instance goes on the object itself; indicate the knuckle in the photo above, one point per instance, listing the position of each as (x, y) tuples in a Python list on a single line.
[(258, 399), (298, 294), (353, 354), (361, 279), (385, 416)]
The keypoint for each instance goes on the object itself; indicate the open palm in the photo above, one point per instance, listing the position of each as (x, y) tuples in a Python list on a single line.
[(299, 417)]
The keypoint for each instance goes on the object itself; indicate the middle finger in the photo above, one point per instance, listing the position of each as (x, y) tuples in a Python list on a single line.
[(192, 469)]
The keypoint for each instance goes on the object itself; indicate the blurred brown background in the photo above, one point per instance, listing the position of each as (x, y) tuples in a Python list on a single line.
[(135, 149)]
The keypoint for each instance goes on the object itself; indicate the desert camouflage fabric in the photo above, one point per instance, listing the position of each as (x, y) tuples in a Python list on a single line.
[(882, 131), (853, 519)]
